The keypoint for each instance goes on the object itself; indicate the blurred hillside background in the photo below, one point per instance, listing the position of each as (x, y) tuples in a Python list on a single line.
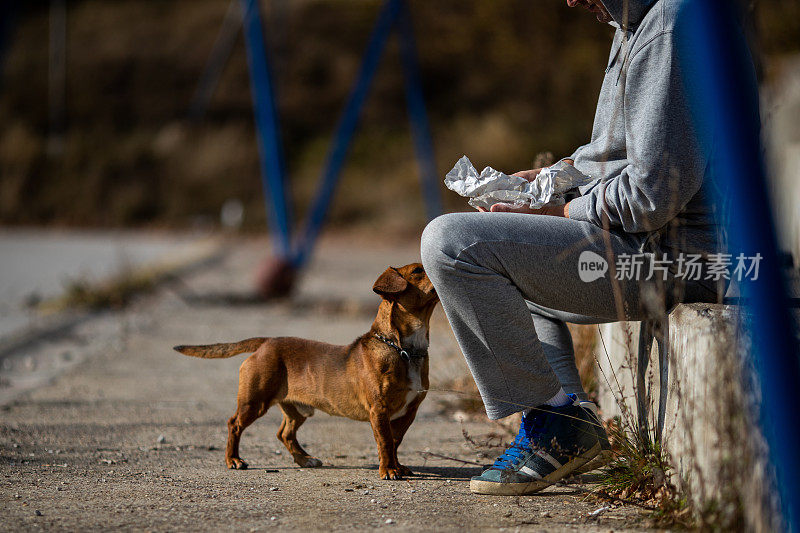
[(113, 145)]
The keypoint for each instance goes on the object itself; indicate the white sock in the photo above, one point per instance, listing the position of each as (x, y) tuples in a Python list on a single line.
[(560, 399)]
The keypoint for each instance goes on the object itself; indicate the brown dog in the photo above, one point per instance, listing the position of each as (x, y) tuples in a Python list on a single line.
[(381, 377)]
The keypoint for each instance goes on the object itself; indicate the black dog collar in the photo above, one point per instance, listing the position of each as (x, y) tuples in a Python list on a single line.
[(405, 354)]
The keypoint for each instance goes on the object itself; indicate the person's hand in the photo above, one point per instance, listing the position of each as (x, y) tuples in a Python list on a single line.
[(550, 210), (530, 175)]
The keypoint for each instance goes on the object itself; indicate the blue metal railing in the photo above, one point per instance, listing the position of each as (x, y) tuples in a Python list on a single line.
[(393, 13), (345, 130), (724, 93), (270, 146)]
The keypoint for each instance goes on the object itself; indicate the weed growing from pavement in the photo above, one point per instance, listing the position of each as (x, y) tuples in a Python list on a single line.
[(120, 290), (641, 471), (734, 495), (114, 294)]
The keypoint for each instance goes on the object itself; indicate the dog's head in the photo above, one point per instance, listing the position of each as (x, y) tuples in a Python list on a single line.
[(409, 285)]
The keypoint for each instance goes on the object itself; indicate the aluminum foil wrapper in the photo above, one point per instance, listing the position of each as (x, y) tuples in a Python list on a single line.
[(492, 186)]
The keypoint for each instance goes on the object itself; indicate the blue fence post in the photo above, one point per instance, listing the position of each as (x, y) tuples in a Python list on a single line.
[(270, 148), (420, 126), (724, 94), (345, 130)]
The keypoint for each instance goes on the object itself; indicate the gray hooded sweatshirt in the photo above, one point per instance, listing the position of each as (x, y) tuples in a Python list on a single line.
[(651, 175)]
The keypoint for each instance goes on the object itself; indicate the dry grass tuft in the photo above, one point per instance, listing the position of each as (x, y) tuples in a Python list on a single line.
[(115, 293), (464, 400), (641, 475), (584, 340)]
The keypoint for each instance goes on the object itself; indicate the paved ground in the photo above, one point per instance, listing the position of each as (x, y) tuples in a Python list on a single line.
[(36, 264), (131, 434)]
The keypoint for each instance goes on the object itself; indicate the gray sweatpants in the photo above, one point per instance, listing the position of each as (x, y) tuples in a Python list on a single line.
[(494, 271)]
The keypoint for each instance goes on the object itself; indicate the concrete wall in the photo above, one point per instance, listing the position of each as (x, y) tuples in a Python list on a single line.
[(782, 133), (708, 431)]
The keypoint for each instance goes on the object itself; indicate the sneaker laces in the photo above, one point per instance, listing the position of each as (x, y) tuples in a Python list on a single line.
[(522, 443)]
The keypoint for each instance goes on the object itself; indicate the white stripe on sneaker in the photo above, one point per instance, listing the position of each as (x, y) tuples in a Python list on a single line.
[(549, 458), (590, 406), (530, 472)]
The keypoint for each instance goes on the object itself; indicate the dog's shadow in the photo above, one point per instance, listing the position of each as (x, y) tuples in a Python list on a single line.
[(423, 473), (454, 473), (442, 473)]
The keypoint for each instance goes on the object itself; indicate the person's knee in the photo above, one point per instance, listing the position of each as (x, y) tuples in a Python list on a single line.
[(436, 245), (431, 243)]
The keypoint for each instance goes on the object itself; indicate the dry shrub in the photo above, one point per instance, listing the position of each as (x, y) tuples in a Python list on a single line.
[(641, 473), (584, 340), (463, 400)]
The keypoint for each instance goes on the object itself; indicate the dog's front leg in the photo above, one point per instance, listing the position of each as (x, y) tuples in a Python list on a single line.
[(399, 428), (382, 429)]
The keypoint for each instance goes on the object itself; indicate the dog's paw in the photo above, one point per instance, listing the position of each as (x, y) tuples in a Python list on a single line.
[(309, 462), (234, 463), (390, 473)]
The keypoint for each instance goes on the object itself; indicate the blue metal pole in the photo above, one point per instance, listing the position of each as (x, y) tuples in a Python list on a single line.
[(724, 94), (420, 127), (270, 147), (345, 130)]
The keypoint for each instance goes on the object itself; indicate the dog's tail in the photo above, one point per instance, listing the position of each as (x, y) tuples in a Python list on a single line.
[(221, 351)]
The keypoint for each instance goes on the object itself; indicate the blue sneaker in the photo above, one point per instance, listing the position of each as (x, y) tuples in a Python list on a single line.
[(552, 442), (606, 455)]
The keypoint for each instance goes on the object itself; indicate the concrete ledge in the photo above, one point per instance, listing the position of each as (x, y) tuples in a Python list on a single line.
[(700, 397)]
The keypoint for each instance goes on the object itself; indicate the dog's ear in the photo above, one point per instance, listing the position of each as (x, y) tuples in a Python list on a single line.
[(390, 283)]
